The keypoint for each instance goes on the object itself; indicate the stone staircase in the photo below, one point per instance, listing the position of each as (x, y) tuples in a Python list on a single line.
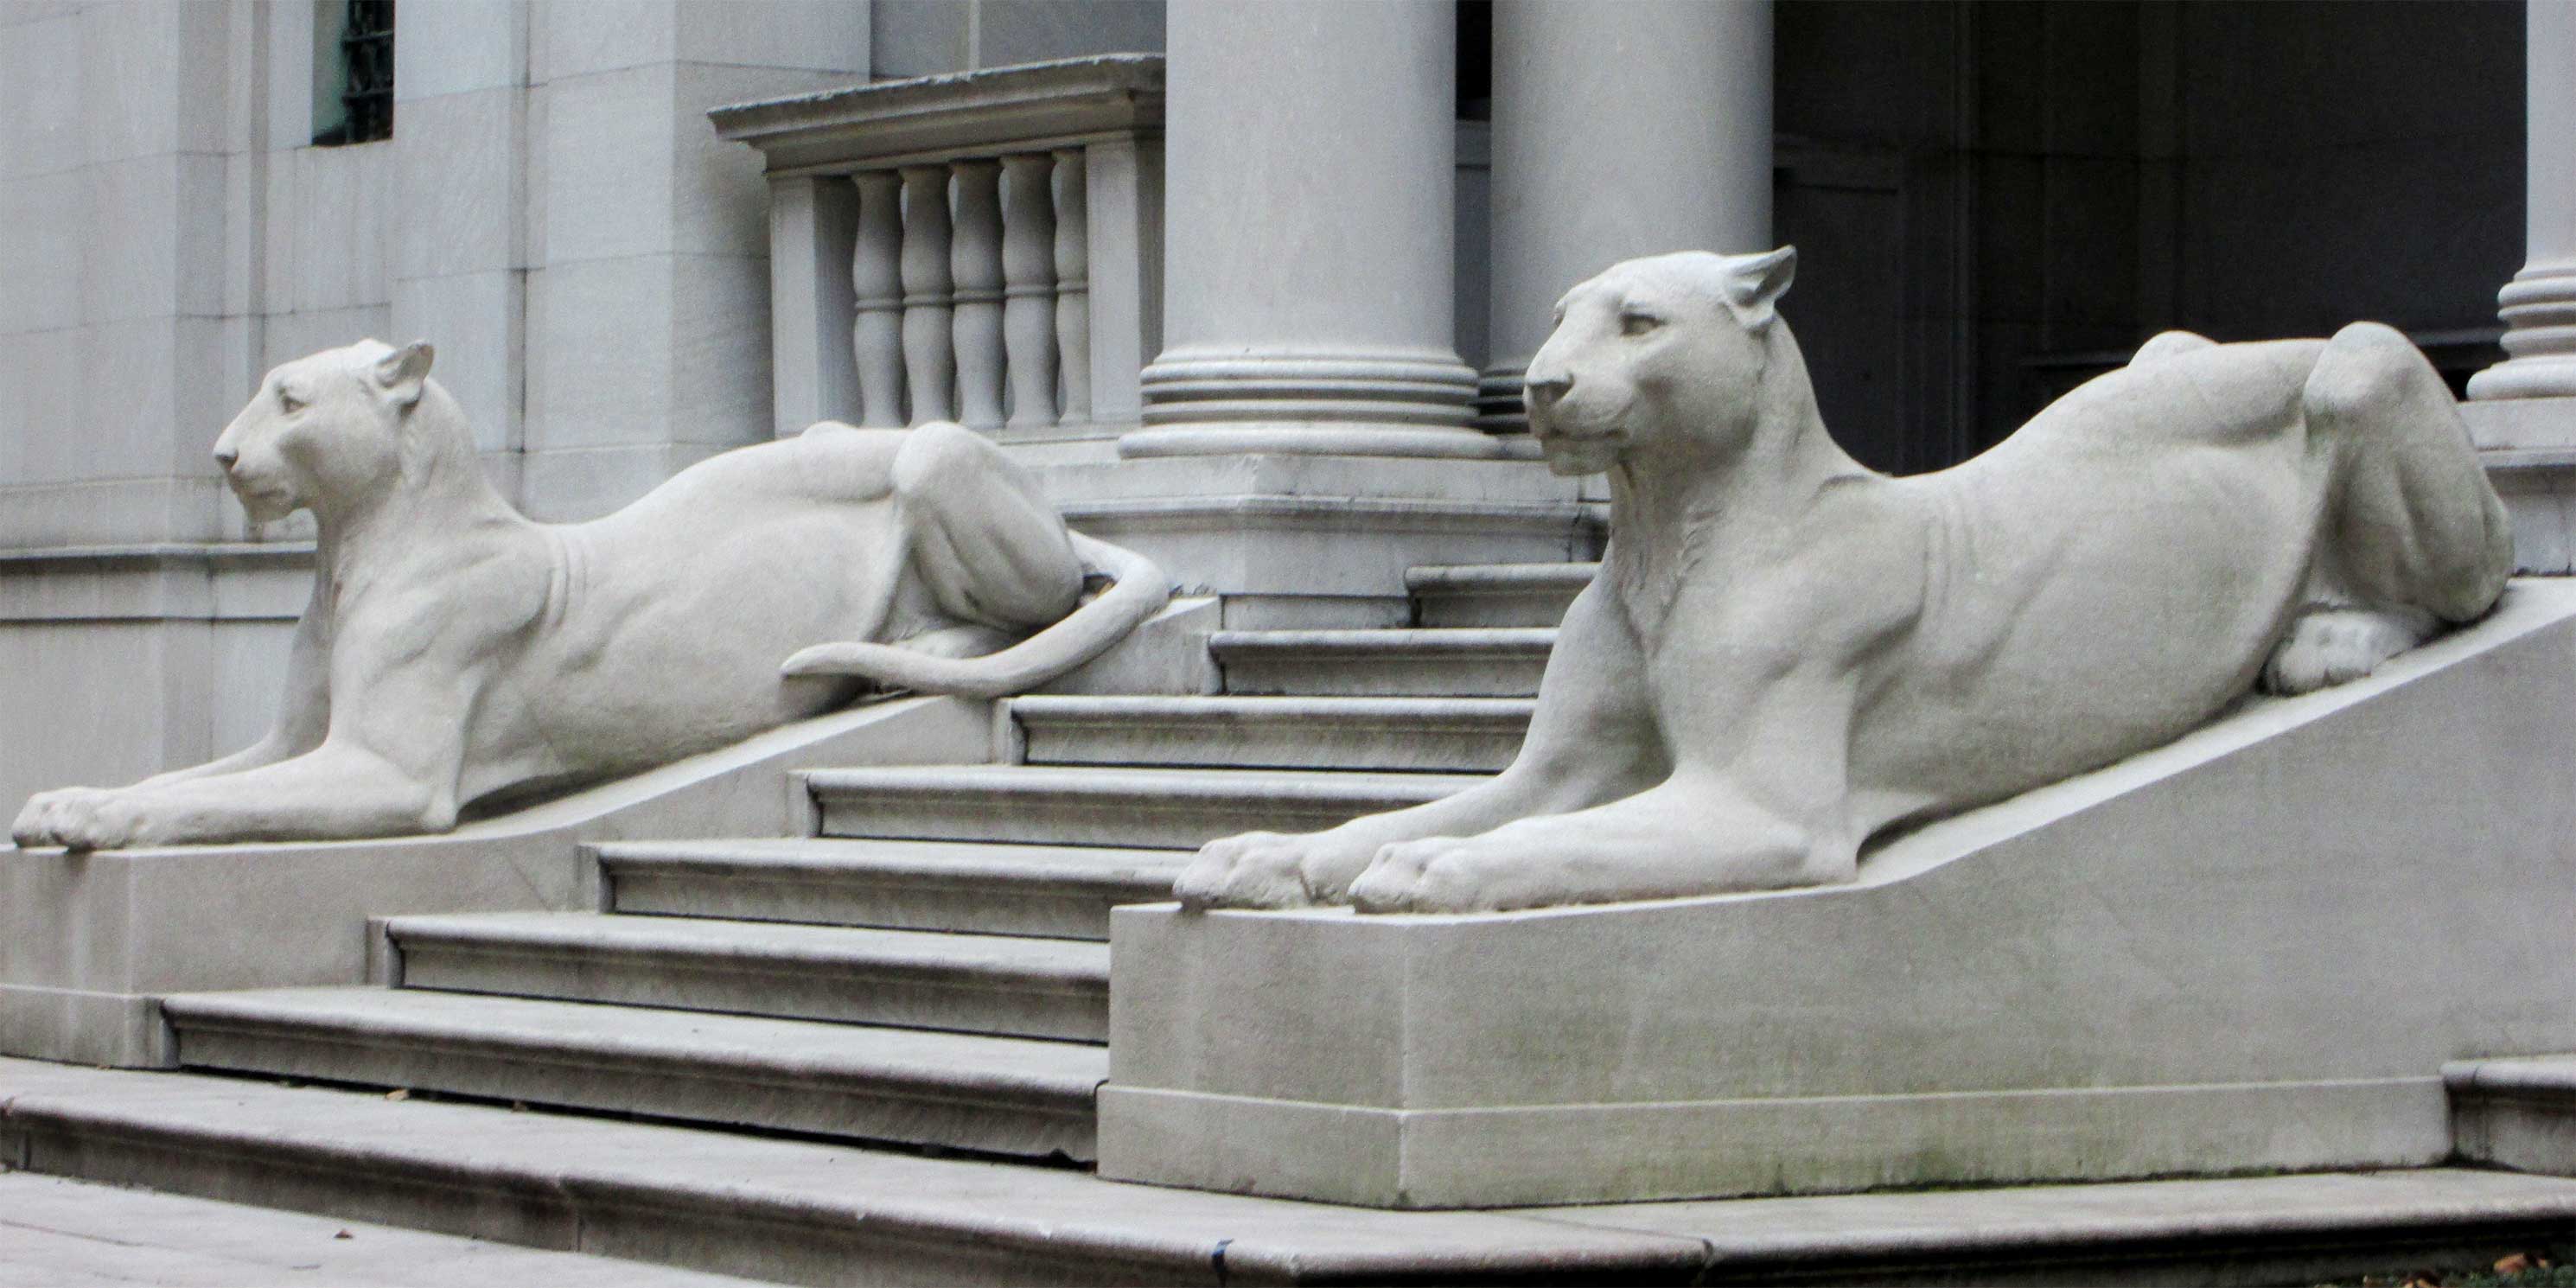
[(722, 1054), (930, 968)]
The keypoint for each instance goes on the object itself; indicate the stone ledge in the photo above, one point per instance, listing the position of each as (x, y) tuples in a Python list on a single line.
[(1017, 108), (160, 554), (156, 581)]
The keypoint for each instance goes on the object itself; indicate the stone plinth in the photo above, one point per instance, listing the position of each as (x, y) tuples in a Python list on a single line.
[(2529, 447), (2252, 949)]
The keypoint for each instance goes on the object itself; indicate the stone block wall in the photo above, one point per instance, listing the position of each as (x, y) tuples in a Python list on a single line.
[(552, 212), (170, 233)]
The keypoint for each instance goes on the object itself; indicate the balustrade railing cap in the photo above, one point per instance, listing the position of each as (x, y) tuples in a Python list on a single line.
[(988, 111)]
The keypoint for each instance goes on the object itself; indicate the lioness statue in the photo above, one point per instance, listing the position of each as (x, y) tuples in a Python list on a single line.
[(1785, 653), (454, 650)]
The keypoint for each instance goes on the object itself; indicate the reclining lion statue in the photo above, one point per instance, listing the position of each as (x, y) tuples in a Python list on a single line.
[(1785, 654), (454, 650)]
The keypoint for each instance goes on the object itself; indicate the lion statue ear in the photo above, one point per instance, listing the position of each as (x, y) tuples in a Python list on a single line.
[(1755, 282), (400, 372)]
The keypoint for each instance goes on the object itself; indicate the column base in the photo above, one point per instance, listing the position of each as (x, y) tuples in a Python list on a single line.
[(2539, 311), (2541, 376), (1206, 402), (1293, 438), (1314, 527)]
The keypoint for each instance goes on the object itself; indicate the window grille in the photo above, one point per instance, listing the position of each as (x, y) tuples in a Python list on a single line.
[(366, 83)]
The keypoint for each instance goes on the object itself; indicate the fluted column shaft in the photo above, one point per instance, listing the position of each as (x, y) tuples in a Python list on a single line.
[(1310, 159), (1619, 130), (2539, 305)]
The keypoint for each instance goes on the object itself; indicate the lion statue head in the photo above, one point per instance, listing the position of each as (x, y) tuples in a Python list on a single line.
[(1667, 352), (335, 426)]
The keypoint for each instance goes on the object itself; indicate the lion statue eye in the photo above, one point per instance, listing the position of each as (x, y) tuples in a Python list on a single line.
[(1635, 323), (289, 402)]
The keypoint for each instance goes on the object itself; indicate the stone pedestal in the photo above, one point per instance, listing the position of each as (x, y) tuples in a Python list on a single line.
[(1308, 279), (2529, 448), (2252, 949), (1620, 130)]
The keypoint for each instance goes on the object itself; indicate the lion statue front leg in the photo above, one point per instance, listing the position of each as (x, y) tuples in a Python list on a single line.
[(1761, 805), (1590, 741), (1695, 834)]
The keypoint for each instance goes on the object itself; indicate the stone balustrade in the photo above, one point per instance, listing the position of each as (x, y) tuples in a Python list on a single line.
[(983, 247)]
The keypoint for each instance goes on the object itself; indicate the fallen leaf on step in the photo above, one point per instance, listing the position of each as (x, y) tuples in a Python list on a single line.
[(398, 1093), (2513, 1265), (344, 1235)]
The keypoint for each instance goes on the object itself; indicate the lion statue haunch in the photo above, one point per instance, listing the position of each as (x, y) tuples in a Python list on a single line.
[(1785, 653), (455, 651)]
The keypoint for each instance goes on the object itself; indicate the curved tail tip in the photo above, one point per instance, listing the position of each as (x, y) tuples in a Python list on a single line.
[(819, 659)]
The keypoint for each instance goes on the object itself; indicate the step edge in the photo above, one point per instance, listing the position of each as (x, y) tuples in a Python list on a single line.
[(887, 1079), (1057, 884), (979, 977)]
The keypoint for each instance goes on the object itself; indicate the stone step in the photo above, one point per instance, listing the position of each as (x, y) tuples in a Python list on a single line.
[(1062, 892), (997, 984), (1495, 594), (955, 1090), (1447, 734), (1083, 805), (803, 1211), (1462, 662), (83, 1234)]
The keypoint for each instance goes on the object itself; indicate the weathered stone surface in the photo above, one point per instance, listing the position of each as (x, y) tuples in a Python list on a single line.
[(455, 651), (1788, 654), (798, 1211), (2253, 948), (67, 1234), (86, 940)]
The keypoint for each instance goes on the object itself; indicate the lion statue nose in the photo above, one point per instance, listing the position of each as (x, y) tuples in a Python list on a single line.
[(1544, 391), (225, 456)]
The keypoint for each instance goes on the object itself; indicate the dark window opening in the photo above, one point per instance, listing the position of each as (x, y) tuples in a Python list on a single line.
[(353, 84), (1475, 60)]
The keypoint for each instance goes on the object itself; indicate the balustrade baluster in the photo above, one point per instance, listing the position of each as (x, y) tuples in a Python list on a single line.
[(1028, 297), (929, 360), (876, 274), (975, 261), (1073, 284)]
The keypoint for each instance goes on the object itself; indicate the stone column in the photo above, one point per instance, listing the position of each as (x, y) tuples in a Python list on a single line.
[(1619, 130), (1310, 166), (2522, 411), (2539, 304)]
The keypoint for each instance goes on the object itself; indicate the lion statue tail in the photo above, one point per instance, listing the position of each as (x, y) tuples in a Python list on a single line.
[(1137, 590)]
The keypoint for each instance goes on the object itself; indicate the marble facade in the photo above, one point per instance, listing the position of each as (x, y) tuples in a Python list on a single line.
[(556, 213)]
